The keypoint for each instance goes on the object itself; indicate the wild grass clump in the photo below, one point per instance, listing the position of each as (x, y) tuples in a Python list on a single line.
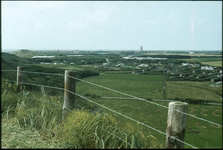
[(83, 129), (31, 120)]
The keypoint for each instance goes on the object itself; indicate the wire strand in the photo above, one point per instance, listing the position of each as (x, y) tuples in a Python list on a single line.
[(112, 111), (146, 101), (131, 119), (128, 95), (45, 101)]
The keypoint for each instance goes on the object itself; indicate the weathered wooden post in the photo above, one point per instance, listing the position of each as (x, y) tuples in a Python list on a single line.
[(19, 78), (69, 98), (176, 123)]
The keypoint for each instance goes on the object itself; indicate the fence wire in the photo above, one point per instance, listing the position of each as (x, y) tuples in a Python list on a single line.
[(112, 111), (126, 95), (146, 101), (62, 106)]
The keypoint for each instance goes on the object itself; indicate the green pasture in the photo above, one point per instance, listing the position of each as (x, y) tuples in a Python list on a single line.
[(194, 90), (213, 63), (206, 61), (136, 85), (198, 133)]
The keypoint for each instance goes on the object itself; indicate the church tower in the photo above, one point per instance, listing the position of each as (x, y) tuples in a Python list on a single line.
[(141, 49)]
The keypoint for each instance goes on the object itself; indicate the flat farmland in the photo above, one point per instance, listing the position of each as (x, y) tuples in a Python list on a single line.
[(137, 85), (195, 90), (213, 63), (206, 61)]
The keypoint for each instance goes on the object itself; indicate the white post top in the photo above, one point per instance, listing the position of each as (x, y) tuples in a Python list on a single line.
[(177, 103)]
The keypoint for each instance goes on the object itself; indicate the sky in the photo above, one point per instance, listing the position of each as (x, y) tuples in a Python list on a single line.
[(111, 25)]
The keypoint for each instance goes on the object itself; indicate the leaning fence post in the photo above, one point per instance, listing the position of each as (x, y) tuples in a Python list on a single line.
[(69, 98), (19, 78), (176, 124)]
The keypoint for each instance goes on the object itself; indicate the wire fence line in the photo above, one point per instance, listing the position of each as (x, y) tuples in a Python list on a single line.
[(65, 108), (45, 101), (131, 119), (129, 96), (146, 101), (110, 110)]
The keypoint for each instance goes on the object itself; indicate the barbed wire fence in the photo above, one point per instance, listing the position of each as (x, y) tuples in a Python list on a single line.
[(132, 97)]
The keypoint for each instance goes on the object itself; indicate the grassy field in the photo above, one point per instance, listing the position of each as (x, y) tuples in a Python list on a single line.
[(31, 120), (195, 90), (137, 85), (213, 63), (206, 61), (198, 133)]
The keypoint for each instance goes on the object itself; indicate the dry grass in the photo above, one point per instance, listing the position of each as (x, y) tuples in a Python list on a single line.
[(13, 137)]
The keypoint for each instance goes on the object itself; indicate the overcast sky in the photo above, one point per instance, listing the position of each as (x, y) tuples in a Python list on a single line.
[(110, 25)]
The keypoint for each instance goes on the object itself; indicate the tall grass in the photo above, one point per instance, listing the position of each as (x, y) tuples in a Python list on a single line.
[(31, 120)]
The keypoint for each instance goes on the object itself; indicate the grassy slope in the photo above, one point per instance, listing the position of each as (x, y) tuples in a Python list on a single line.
[(30, 123), (25, 53), (10, 62), (13, 60)]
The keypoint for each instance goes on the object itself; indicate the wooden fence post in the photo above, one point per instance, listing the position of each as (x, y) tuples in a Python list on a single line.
[(69, 98), (19, 78), (176, 124)]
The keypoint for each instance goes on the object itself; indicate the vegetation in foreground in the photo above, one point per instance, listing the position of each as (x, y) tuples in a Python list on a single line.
[(29, 120)]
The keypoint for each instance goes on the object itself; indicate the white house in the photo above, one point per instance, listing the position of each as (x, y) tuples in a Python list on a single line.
[(185, 64), (143, 65), (207, 68)]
